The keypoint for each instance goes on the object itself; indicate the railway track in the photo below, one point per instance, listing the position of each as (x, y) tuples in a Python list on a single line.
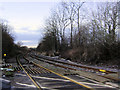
[(45, 79), (74, 66)]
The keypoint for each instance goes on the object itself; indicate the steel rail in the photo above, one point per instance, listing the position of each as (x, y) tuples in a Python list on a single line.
[(74, 68), (55, 64), (96, 69), (61, 75), (28, 74)]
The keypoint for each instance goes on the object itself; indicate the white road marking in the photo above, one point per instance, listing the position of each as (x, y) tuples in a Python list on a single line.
[(56, 86), (106, 85), (44, 87), (112, 84), (97, 84), (50, 78), (21, 74), (88, 79), (51, 82), (25, 84)]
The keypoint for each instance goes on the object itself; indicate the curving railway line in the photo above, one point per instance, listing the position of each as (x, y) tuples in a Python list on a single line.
[(72, 66), (45, 79)]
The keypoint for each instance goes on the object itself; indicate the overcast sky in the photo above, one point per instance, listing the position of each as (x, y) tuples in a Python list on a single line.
[(27, 18)]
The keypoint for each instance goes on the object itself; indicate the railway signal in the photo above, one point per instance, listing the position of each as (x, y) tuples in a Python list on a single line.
[(5, 55)]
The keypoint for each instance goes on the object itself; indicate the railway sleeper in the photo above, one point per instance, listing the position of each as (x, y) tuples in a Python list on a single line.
[(32, 71), (39, 72), (17, 68), (46, 71), (43, 71), (20, 68), (29, 72), (67, 74), (35, 71), (6, 65)]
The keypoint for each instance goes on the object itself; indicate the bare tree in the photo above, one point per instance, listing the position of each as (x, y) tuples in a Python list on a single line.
[(104, 23), (78, 6), (62, 19), (19, 43), (71, 14)]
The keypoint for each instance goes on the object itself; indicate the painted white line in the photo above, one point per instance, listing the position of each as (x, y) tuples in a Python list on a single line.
[(51, 87), (45, 87), (88, 79), (101, 85), (21, 74), (52, 82), (91, 84), (50, 78), (112, 84), (26, 84)]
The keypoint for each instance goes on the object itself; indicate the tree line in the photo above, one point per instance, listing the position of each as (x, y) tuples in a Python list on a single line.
[(78, 33), (8, 46)]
